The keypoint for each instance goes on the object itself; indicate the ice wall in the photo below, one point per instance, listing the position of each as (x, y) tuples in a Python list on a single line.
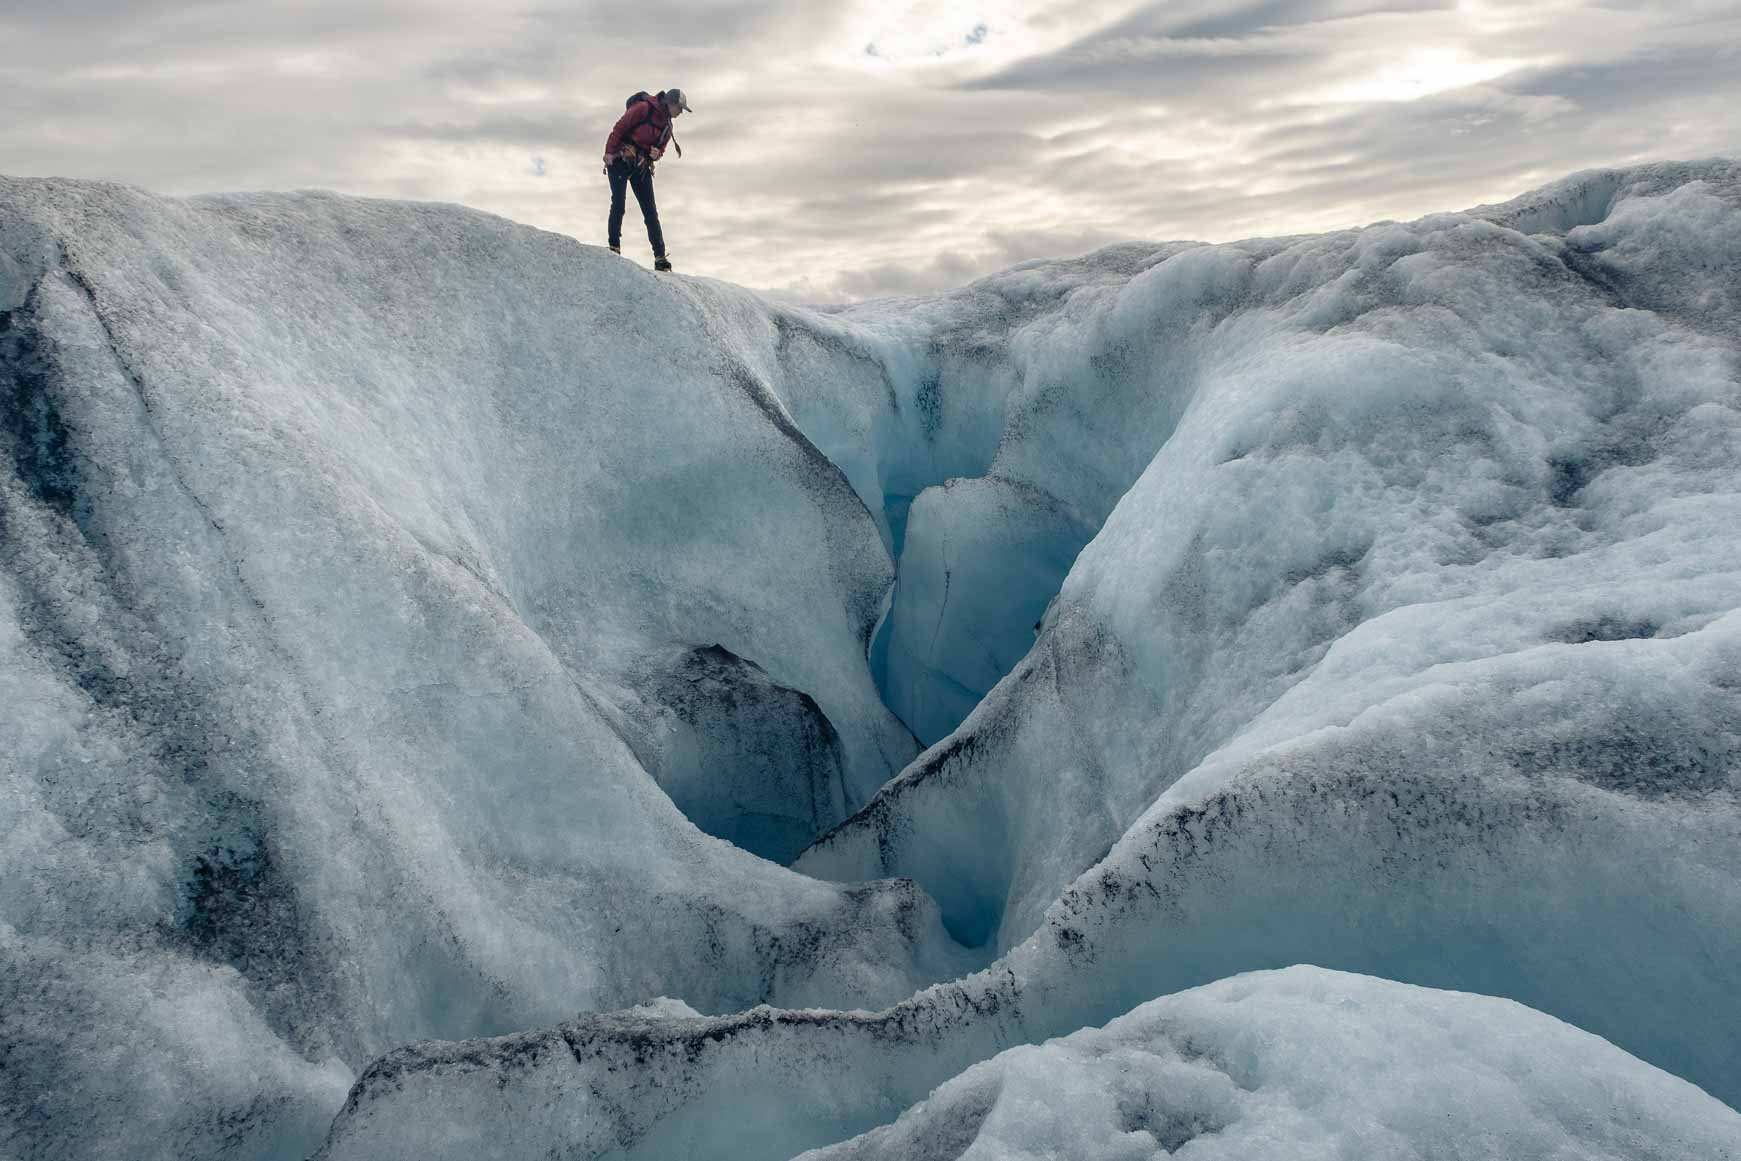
[(993, 428), (349, 552)]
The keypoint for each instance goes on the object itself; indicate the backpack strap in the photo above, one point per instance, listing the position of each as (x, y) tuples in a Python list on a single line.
[(652, 104), (655, 103)]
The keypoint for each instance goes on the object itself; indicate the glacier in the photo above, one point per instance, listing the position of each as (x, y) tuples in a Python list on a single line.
[(427, 638)]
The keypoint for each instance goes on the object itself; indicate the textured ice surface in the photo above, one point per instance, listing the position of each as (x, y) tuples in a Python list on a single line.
[(342, 547), (378, 576), (1297, 1063), (1411, 647), (1302, 1064), (1352, 459), (743, 757)]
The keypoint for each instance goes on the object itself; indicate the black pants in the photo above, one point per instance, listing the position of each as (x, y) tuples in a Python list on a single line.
[(625, 175)]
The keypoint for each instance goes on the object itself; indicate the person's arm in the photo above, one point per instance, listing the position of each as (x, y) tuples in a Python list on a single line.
[(634, 115)]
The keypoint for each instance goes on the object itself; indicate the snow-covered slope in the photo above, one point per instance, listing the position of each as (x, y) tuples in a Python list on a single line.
[(386, 582)]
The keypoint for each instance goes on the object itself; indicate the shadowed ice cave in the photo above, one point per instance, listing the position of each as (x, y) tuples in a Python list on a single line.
[(746, 759)]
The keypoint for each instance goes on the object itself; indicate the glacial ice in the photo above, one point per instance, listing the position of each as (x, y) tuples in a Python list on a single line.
[(343, 544), (385, 583), (1401, 448), (1301, 1064), (745, 758)]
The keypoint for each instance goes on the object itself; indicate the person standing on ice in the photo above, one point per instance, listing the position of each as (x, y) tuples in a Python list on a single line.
[(636, 143)]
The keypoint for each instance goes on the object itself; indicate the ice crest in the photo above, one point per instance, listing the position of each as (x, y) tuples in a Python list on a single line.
[(1306, 1063)]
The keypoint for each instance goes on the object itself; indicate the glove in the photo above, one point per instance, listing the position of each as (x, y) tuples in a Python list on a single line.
[(657, 153)]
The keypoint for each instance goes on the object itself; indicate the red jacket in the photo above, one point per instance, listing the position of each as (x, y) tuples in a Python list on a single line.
[(646, 125)]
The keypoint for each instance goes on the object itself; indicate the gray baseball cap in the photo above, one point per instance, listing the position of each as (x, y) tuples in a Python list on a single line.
[(676, 95)]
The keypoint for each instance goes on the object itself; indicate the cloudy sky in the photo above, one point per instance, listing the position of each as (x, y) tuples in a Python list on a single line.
[(859, 147)]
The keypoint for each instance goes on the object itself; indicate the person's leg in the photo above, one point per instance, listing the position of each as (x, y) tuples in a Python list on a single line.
[(642, 183), (619, 186)]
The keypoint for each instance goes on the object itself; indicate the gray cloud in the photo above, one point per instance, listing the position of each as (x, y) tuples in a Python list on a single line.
[(1212, 20), (810, 168)]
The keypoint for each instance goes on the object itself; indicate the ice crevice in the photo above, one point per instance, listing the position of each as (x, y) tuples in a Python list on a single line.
[(412, 703)]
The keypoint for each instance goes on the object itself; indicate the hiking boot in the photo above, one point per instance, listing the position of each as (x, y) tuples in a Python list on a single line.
[(662, 263)]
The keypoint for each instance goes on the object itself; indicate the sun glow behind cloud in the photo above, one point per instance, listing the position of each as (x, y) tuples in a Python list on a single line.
[(1413, 74)]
